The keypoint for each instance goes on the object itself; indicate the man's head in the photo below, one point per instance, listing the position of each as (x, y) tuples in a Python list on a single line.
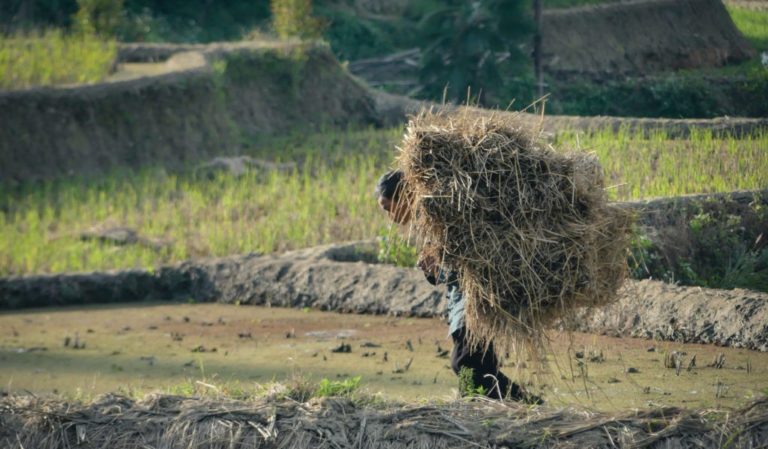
[(389, 196)]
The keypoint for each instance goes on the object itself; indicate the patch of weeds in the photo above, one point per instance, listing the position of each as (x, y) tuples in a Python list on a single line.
[(395, 250), (346, 387), (643, 257), (186, 388), (300, 389), (723, 258), (716, 249), (467, 387)]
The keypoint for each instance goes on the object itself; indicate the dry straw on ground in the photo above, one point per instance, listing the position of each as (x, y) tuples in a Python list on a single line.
[(173, 422), (528, 230)]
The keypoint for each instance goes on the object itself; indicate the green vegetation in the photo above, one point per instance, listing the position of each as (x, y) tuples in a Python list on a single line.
[(462, 46), (467, 385), (740, 91), (54, 57), (394, 248), (296, 387), (752, 23), (721, 255), (346, 387), (293, 19), (652, 166), (101, 17), (327, 198)]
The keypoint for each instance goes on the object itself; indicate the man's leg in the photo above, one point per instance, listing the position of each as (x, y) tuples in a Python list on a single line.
[(485, 368)]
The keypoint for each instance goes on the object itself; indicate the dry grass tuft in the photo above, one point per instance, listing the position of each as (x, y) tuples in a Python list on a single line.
[(528, 230)]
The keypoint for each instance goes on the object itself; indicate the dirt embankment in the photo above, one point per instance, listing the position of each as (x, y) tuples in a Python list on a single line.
[(206, 98), (652, 309), (394, 109), (343, 278), (200, 109), (178, 422), (640, 37)]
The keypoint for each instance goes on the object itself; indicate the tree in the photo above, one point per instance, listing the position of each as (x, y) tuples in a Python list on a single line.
[(102, 17), (473, 45)]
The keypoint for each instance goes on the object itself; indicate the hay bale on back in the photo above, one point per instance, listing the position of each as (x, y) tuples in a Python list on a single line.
[(528, 230)]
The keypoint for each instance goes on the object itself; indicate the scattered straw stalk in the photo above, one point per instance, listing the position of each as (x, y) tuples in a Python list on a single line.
[(172, 422), (528, 230)]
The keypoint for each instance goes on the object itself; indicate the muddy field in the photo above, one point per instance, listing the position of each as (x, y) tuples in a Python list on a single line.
[(174, 347)]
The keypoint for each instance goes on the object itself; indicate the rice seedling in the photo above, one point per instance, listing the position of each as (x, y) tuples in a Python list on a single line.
[(752, 23), (656, 166), (54, 57), (327, 198)]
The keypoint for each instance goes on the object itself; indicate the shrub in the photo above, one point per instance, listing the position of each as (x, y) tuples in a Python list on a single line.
[(293, 18), (101, 17)]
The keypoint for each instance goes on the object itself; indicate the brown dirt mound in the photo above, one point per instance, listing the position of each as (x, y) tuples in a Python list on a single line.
[(171, 422), (342, 278)]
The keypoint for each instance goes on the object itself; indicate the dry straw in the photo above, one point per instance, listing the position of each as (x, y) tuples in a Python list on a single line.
[(172, 422), (528, 230)]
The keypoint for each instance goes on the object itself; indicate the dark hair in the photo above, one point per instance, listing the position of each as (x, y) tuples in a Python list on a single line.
[(389, 184)]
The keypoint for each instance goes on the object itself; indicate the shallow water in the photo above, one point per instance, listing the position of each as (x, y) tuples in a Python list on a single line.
[(148, 346)]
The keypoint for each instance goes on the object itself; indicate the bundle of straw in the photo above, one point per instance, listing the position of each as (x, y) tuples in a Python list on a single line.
[(527, 230)]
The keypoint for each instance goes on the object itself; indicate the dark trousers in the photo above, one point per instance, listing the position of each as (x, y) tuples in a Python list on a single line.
[(485, 368)]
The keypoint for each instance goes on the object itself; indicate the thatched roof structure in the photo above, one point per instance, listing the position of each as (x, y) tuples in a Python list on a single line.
[(173, 422)]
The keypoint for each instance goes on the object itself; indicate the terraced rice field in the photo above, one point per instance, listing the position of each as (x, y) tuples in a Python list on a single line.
[(240, 350)]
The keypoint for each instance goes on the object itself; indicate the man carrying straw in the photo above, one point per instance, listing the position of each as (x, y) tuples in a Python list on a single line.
[(521, 234), (481, 366)]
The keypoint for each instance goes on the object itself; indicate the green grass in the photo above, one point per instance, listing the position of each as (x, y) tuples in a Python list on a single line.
[(52, 58), (327, 199), (753, 24), (656, 166)]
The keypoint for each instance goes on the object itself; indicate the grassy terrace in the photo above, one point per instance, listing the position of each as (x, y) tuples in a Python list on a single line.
[(328, 198), (753, 24), (53, 58)]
